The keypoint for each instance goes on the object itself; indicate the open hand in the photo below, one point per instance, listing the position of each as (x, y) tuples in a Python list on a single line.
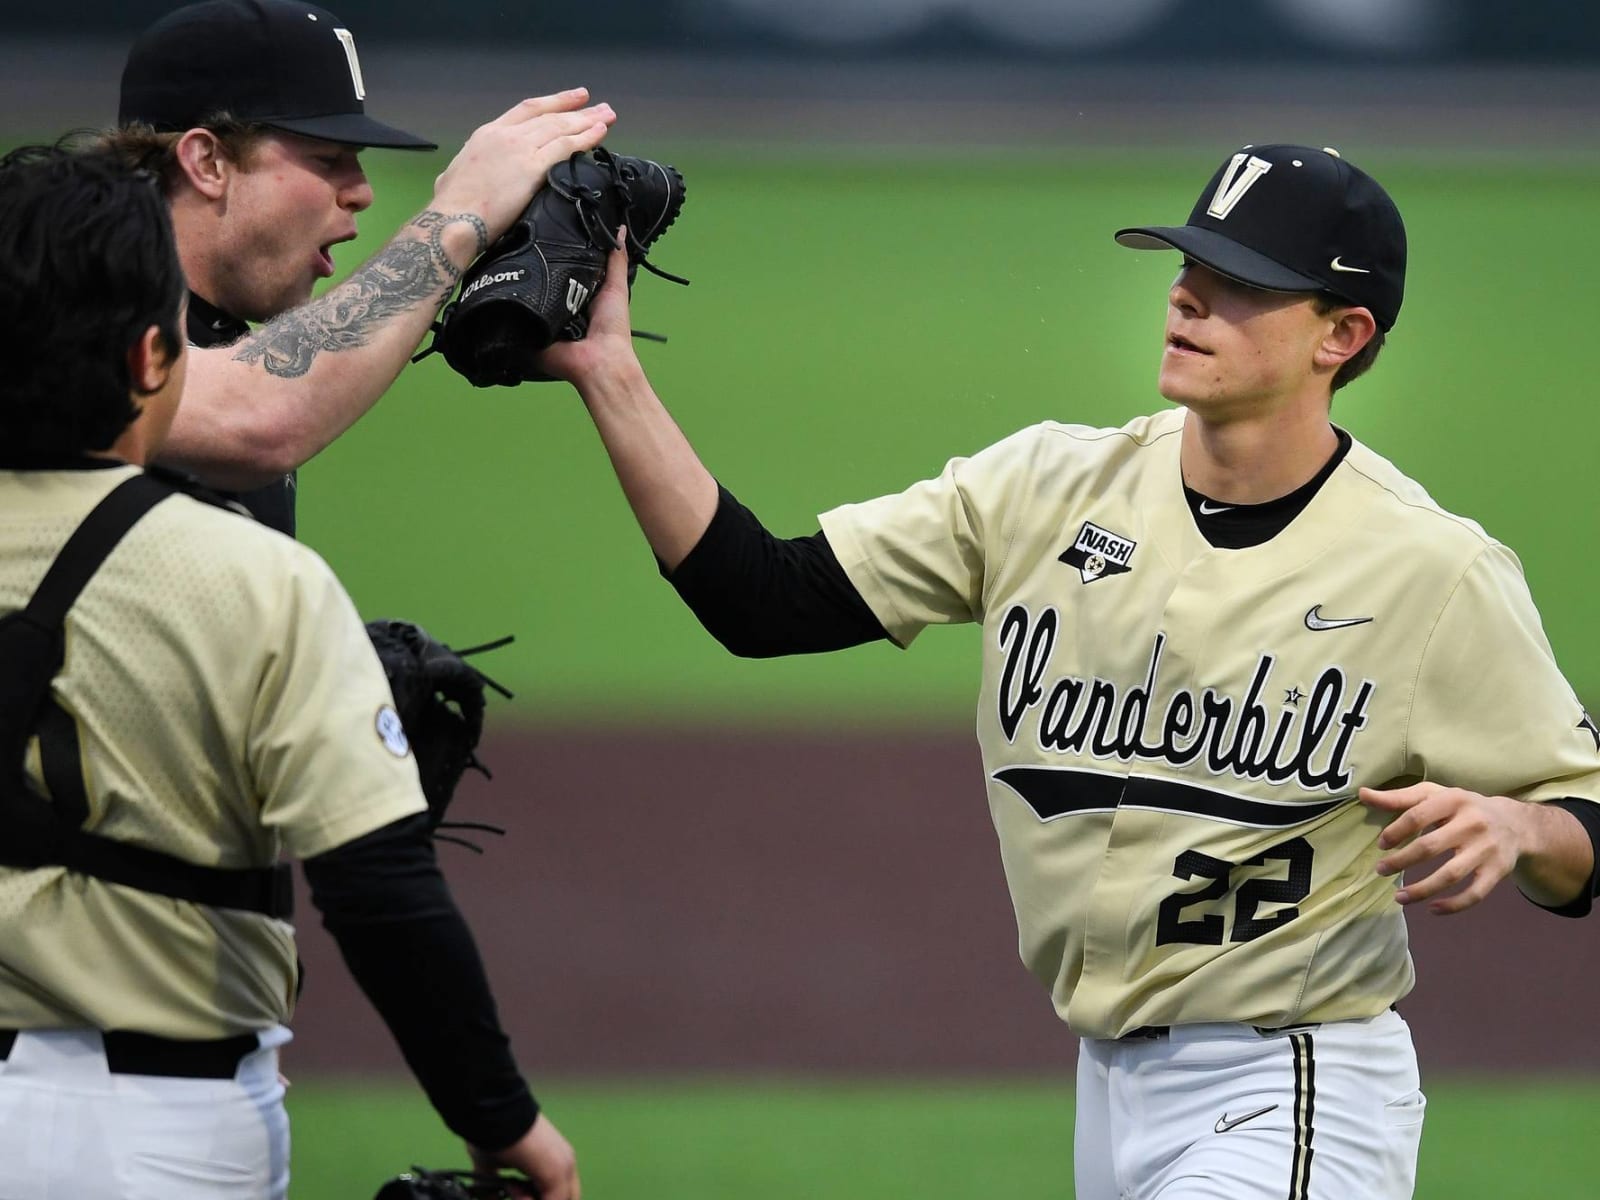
[(1480, 838)]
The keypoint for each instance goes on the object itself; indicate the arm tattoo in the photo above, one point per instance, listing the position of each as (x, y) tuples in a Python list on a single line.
[(437, 223), (400, 276)]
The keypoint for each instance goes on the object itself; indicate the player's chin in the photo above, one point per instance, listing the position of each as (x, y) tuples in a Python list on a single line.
[(1180, 387)]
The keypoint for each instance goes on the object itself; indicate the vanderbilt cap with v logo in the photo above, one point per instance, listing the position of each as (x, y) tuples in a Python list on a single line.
[(1294, 219), (277, 63)]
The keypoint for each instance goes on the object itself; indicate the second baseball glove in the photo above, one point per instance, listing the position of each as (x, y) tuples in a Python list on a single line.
[(440, 701), (422, 1184), (534, 285)]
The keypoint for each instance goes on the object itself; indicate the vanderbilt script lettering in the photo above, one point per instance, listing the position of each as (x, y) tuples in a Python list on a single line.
[(1308, 744)]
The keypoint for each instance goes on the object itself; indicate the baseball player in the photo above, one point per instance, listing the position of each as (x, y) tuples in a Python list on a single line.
[(185, 695), (1239, 675), (253, 114)]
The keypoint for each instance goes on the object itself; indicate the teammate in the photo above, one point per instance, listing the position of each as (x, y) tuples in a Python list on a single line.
[(252, 112), (185, 694), (1239, 674)]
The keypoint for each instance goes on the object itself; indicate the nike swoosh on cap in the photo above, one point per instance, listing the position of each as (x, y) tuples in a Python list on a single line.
[(1337, 265), (1316, 621)]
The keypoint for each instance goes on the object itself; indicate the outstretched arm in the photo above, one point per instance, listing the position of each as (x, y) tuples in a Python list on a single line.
[(672, 494), (758, 595), (269, 403)]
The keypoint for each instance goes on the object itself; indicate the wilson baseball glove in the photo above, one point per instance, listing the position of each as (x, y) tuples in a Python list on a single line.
[(440, 700), (421, 1184), (535, 284)]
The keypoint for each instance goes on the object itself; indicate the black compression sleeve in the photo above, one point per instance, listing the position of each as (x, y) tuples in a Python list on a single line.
[(388, 907), (1588, 814), (762, 596)]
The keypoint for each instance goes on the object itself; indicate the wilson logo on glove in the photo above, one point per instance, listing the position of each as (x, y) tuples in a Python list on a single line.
[(486, 280), (548, 266)]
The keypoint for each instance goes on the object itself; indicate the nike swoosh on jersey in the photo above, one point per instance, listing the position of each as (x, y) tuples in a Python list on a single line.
[(1211, 512), (1225, 1123), (1316, 621), (1338, 265)]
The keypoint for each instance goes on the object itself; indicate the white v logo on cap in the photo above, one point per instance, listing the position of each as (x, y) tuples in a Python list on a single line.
[(1235, 183), (348, 41)]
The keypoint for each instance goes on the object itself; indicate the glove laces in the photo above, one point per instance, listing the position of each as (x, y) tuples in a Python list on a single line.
[(475, 763), (587, 201)]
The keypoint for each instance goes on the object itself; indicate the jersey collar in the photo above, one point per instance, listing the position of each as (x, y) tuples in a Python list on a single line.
[(210, 325)]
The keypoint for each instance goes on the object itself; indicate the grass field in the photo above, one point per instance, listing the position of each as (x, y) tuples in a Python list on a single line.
[(906, 1141), (854, 323)]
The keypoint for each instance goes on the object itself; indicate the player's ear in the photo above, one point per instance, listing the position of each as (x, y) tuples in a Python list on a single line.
[(151, 361), (204, 162), (1349, 329)]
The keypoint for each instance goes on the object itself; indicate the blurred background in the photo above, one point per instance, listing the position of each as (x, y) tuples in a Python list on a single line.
[(748, 927)]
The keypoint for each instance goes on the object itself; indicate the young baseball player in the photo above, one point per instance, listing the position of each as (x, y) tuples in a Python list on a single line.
[(253, 114), (185, 694), (1239, 675)]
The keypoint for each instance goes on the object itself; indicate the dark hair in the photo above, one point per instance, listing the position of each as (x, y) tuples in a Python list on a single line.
[(1359, 363), (87, 264), (142, 147)]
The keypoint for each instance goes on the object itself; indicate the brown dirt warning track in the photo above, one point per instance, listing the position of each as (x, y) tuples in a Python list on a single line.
[(716, 902)]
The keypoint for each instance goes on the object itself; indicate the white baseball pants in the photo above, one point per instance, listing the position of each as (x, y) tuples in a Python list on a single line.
[(1230, 1112), (71, 1129)]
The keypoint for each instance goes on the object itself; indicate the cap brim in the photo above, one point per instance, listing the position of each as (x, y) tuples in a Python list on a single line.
[(1221, 254), (351, 129)]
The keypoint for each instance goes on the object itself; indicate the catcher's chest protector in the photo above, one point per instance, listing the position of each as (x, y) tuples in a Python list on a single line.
[(36, 832)]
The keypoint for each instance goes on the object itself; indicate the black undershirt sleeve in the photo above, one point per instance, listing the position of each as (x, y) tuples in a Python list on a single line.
[(762, 596), (1588, 815), (387, 906)]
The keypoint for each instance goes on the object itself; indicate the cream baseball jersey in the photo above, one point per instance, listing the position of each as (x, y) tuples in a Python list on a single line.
[(225, 705), (1173, 734)]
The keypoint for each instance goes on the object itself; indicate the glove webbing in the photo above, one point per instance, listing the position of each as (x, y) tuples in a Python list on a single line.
[(474, 763), (587, 200)]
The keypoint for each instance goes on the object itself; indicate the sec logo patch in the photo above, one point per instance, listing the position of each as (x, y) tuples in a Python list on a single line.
[(392, 733)]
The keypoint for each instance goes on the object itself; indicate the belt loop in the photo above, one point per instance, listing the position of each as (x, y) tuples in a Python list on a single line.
[(1147, 1033)]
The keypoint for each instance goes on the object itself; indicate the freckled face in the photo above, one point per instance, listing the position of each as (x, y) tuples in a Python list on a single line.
[(287, 204)]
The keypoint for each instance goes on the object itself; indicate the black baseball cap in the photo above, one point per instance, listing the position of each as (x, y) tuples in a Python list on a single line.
[(1294, 219), (278, 63)]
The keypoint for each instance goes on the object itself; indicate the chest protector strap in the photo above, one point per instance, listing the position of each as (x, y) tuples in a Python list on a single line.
[(34, 832)]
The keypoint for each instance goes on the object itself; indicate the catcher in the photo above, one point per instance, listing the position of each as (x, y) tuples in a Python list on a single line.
[(185, 694)]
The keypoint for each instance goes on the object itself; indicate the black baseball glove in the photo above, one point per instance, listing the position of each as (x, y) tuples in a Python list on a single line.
[(440, 701), (535, 284), (421, 1184)]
